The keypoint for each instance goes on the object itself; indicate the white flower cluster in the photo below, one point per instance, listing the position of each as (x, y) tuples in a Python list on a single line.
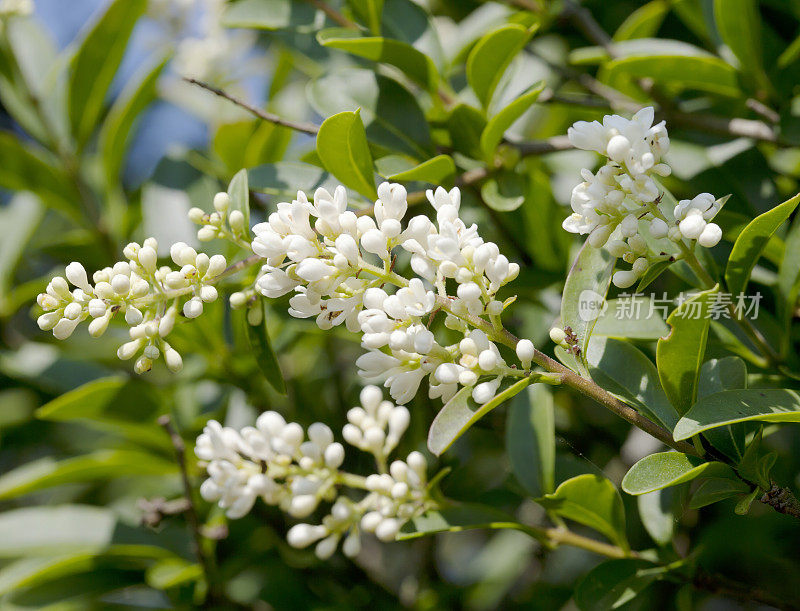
[(149, 298), (275, 462), (15, 8), (326, 255), (222, 223), (611, 202)]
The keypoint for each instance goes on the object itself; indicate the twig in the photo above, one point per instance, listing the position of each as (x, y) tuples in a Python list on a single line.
[(541, 147), (334, 15), (299, 126), (191, 511)]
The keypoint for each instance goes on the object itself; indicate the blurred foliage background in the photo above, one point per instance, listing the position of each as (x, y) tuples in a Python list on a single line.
[(102, 142)]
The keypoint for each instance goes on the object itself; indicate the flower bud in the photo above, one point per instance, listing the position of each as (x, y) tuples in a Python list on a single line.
[(208, 293), (48, 320), (76, 274), (193, 308), (558, 335), (206, 233), (236, 221), (148, 258), (222, 201), (216, 265), (172, 358), (525, 352), (133, 316), (710, 236), (196, 215)]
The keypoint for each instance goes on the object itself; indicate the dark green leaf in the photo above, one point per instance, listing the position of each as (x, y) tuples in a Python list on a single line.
[(716, 375), (269, 15), (466, 124), (732, 406), (715, 490), (370, 12), (651, 274), (739, 24), (614, 583), (493, 132), (505, 192), (644, 22), (286, 178), (491, 56)]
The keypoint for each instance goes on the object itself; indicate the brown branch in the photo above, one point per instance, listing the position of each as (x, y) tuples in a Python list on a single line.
[(334, 15), (782, 500), (192, 519), (299, 126)]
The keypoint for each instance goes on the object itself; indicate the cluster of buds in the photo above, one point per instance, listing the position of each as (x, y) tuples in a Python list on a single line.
[(615, 203), (297, 470), (341, 268), (222, 223), (149, 297)]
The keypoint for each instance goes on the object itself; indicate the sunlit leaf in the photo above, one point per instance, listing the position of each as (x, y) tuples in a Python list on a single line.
[(665, 469)]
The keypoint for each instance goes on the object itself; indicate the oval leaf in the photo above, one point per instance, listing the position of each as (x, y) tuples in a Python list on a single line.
[(531, 439), (493, 132), (263, 352), (434, 171), (715, 490), (342, 147), (665, 469), (612, 584), (732, 406), (239, 192)]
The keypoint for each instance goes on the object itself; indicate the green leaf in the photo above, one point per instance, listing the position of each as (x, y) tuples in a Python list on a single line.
[(466, 124), (665, 469), (114, 135), (413, 63), (614, 583), (588, 281), (95, 64), (459, 413), (624, 370), (743, 506), (716, 375), (103, 464), (52, 530), (434, 171), (263, 352), (680, 354), (172, 572), (531, 439), (631, 318), (698, 71), (593, 501), (714, 490), (739, 25), (24, 213), (732, 406), (644, 22), (788, 285), (751, 242), (490, 57), (393, 119), (456, 518), (493, 132), (269, 15), (651, 274), (239, 192), (505, 192), (342, 147)]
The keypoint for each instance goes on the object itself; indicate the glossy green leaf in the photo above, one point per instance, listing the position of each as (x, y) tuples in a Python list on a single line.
[(370, 12), (751, 242), (102, 464), (624, 370), (342, 147), (491, 56), (493, 132), (434, 171), (680, 354), (117, 127), (269, 15), (632, 318), (788, 285), (714, 490), (739, 25), (593, 501), (651, 274), (456, 518), (460, 413), (239, 192), (614, 583), (392, 117), (665, 469), (585, 288), (263, 352), (96, 62), (660, 511), (531, 439), (732, 406), (413, 63), (700, 71), (716, 375), (24, 212)]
